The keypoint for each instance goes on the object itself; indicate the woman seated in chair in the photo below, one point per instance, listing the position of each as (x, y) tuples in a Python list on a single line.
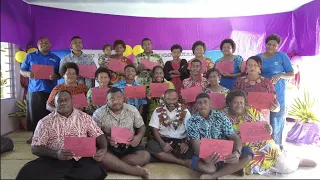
[(69, 71)]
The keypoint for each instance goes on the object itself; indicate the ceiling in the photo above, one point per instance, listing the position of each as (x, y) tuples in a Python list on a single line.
[(176, 8)]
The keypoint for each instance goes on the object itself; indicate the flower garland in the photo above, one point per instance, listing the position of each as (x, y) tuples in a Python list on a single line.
[(167, 121)]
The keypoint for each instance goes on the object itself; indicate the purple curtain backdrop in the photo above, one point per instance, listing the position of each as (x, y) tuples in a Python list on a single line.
[(16, 23), (27, 23)]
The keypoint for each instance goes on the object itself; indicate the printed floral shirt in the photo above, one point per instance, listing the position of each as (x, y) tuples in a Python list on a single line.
[(52, 129)]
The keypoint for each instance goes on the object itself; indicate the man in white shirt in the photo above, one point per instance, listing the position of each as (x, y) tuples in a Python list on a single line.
[(168, 124)]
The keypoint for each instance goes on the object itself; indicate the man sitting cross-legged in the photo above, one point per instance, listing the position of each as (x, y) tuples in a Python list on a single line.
[(126, 158), (169, 131), (54, 162), (212, 124)]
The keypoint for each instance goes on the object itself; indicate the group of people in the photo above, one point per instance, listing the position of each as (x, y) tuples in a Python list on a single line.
[(172, 127)]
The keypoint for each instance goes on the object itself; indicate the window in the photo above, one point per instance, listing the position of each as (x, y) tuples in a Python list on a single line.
[(6, 71)]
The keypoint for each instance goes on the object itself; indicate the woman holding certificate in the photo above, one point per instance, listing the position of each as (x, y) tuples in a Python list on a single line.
[(154, 102), (69, 71), (103, 76), (266, 152), (229, 65)]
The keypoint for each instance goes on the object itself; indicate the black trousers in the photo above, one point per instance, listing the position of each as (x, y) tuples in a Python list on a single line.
[(48, 168), (36, 108)]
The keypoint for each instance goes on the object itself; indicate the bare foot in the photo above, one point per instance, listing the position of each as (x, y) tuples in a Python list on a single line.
[(307, 163), (207, 176), (29, 141), (144, 173)]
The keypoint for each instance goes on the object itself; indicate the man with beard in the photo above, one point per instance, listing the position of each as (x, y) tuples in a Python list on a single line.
[(39, 89), (130, 75), (168, 124), (78, 57), (54, 161), (126, 158)]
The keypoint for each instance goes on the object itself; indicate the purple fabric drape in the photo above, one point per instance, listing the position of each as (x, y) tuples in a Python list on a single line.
[(306, 133)]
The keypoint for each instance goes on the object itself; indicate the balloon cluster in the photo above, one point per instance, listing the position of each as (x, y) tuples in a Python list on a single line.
[(132, 52), (21, 55)]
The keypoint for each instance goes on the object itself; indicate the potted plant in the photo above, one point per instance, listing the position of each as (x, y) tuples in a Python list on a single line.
[(306, 129), (22, 105)]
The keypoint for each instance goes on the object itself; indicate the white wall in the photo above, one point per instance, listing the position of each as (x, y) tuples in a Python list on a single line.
[(9, 105)]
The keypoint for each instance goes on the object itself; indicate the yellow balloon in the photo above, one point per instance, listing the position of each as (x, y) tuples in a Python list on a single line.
[(128, 51), (20, 56), (137, 49), (31, 50)]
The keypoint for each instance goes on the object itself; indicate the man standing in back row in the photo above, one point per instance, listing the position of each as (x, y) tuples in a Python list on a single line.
[(39, 89), (78, 57), (144, 77)]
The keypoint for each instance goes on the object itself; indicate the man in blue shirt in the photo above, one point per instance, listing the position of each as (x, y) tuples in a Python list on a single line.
[(39, 89), (130, 74)]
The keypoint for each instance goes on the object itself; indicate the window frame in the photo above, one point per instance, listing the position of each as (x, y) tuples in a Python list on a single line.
[(11, 71)]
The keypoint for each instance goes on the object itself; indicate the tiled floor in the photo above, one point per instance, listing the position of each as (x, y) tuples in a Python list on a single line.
[(11, 163)]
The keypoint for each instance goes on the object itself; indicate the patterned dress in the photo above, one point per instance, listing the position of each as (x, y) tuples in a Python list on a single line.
[(103, 61), (144, 77), (79, 89), (224, 91), (266, 152), (228, 82)]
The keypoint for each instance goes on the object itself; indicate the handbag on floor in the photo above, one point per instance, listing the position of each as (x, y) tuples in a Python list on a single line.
[(6, 144)]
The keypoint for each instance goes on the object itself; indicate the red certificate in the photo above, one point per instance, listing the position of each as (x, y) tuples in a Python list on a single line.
[(135, 91), (190, 94), (254, 132), (210, 146), (42, 71), (260, 100), (87, 71), (121, 135), (99, 96), (148, 64), (225, 66), (79, 101), (81, 146), (116, 65), (266, 114), (158, 89), (218, 100)]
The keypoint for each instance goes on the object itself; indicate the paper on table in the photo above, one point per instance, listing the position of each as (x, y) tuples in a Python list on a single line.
[(87, 71), (209, 146), (260, 100), (225, 67), (79, 100), (99, 96), (253, 132), (158, 89), (148, 64), (190, 94), (81, 146), (218, 100), (135, 91), (121, 135), (42, 71), (116, 65)]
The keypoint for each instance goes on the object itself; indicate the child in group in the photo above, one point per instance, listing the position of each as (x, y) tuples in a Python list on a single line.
[(104, 58)]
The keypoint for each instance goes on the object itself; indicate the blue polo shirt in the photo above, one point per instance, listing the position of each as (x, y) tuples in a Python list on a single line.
[(37, 85)]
